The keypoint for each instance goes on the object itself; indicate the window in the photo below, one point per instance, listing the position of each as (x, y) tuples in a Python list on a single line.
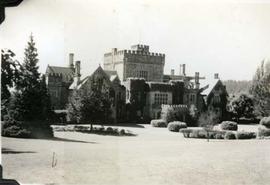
[(142, 74), (216, 98), (161, 98)]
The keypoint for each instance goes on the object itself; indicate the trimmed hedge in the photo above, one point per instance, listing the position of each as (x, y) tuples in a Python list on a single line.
[(175, 126), (229, 125), (158, 123), (245, 135), (265, 121), (200, 133), (229, 135)]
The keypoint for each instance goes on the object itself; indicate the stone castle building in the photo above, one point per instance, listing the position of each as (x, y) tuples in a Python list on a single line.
[(138, 62), (137, 83)]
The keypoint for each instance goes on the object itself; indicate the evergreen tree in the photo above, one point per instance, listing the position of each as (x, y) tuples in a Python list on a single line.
[(30, 77), (31, 99), (260, 89)]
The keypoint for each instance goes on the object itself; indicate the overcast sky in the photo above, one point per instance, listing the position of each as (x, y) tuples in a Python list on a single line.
[(228, 38)]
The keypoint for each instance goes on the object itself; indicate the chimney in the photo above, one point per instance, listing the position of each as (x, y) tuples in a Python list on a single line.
[(197, 78), (216, 76), (77, 74), (114, 51), (183, 69), (71, 60), (172, 72)]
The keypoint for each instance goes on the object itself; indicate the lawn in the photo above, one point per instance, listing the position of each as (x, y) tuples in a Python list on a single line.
[(155, 156)]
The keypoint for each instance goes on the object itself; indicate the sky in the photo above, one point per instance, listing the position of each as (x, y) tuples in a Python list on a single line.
[(229, 38)]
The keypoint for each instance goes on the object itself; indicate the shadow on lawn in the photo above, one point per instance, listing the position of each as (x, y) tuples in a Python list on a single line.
[(104, 133), (126, 125), (69, 140), (10, 151)]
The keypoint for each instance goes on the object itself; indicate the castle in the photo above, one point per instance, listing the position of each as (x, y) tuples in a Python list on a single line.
[(138, 85)]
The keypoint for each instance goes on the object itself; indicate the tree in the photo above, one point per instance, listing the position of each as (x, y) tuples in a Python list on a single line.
[(95, 108), (89, 106), (31, 99), (9, 75), (242, 106), (30, 76), (208, 120), (9, 72), (260, 89)]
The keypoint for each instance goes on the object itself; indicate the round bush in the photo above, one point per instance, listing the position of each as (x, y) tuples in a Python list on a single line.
[(228, 125), (109, 129), (158, 123), (229, 135), (265, 121), (175, 126), (122, 132)]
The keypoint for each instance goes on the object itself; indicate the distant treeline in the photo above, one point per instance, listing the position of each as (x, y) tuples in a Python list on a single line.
[(235, 87)]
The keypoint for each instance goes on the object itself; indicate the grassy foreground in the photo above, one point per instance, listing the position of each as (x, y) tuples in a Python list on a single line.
[(155, 156)]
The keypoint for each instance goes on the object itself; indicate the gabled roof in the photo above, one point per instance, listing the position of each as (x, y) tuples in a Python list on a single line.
[(109, 79), (74, 85), (209, 86), (59, 70)]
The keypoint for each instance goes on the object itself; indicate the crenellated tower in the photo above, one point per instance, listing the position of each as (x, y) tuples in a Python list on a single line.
[(137, 62)]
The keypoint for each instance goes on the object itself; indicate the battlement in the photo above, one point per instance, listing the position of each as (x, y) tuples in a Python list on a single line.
[(141, 50), (140, 47)]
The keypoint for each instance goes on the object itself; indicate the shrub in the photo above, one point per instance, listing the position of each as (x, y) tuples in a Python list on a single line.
[(228, 125), (122, 132), (265, 121), (109, 129), (16, 131), (186, 132), (263, 132), (172, 113), (198, 134), (80, 128), (245, 135), (202, 134), (175, 126), (215, 134), (158, 123), (219, 136), (229, 135), (25, 129)]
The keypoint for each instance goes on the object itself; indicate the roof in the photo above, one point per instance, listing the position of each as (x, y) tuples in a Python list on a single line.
[(110, 73), (73, 85), (59, 70), (113, 77), (211, 84)]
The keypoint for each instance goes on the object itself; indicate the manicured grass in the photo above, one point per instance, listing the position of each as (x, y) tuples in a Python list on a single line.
[(154, 156)]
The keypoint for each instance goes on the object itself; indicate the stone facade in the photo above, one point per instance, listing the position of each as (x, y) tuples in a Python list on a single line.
[(137, 62), (138, 84)]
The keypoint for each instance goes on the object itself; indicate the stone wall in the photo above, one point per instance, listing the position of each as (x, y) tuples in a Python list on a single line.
[(136, 63)]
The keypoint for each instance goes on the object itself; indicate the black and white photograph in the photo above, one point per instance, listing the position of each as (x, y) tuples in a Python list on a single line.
[(135, 92)]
